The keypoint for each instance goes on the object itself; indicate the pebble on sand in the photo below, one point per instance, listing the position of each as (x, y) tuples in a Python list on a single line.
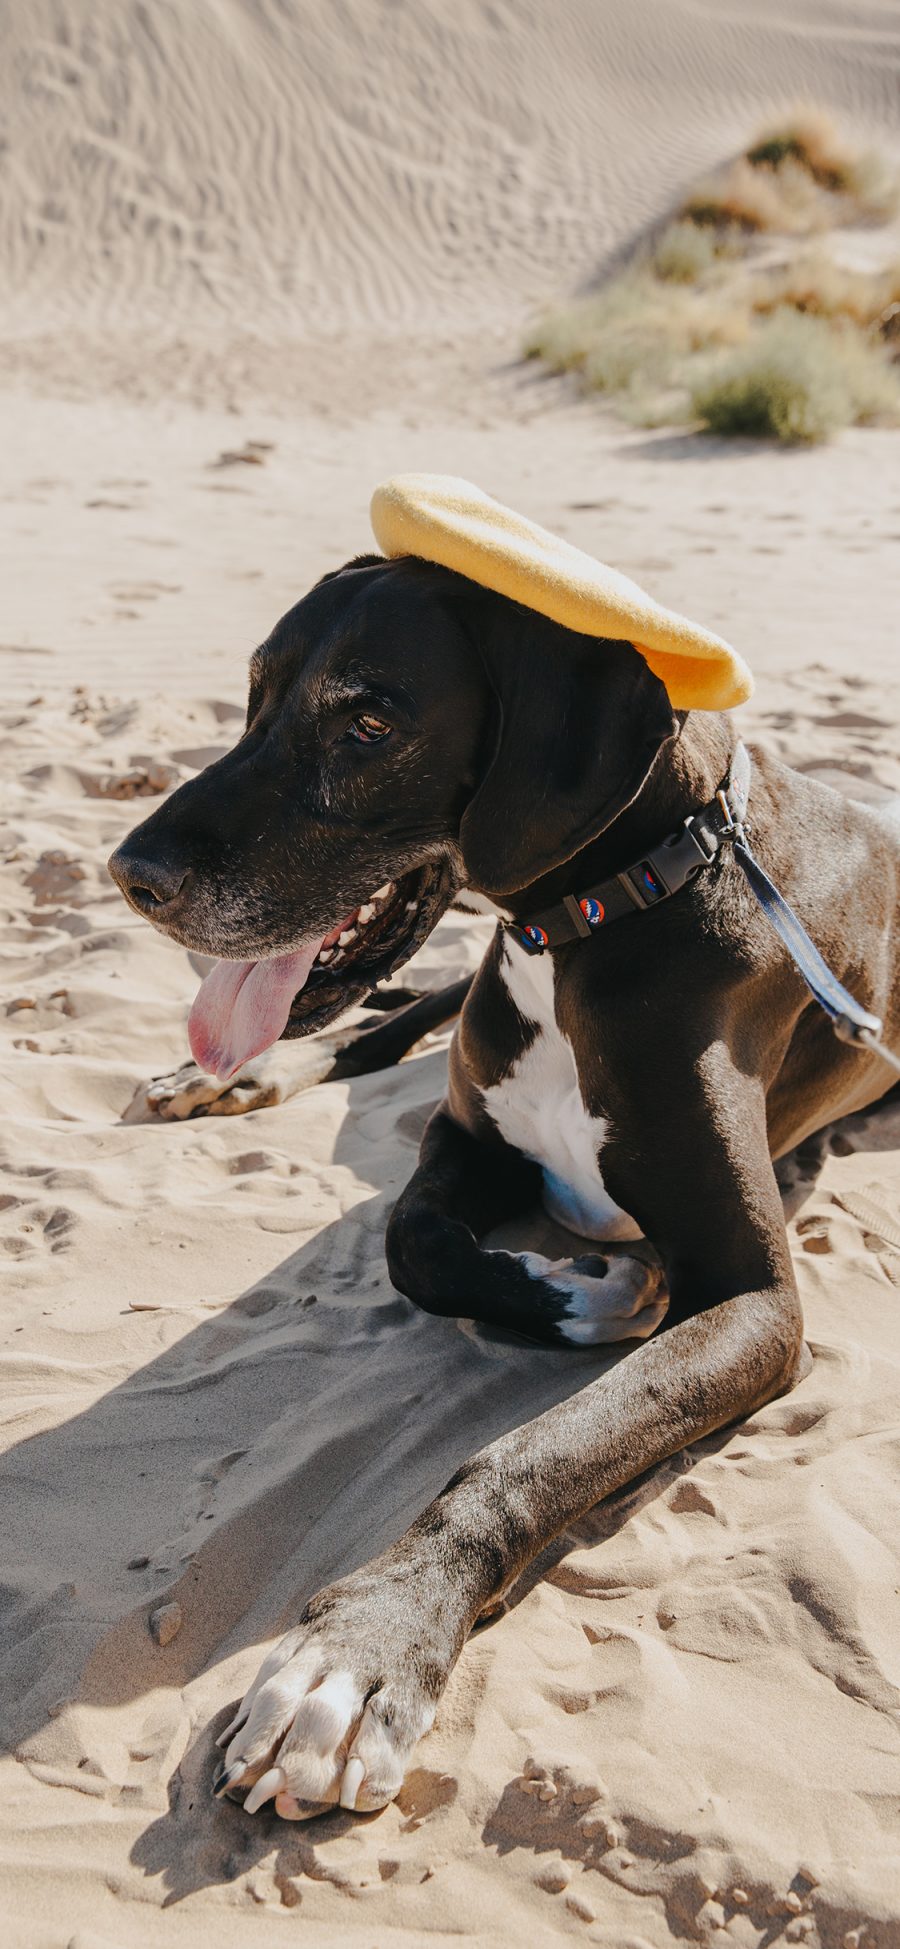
[(554, 1877), (165, 1623)]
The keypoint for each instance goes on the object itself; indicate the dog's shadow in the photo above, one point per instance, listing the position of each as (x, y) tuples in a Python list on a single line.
[(269, 1450)]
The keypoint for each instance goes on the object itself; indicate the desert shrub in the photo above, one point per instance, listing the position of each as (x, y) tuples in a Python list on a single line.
[(807, 136), (809, 140), (797, 380), (815, 284), (874, 187), (635, 336), (812, 342), (684, 253), (738, 198)]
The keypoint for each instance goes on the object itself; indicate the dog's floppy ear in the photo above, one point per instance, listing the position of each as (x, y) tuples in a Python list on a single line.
[(579, 723)]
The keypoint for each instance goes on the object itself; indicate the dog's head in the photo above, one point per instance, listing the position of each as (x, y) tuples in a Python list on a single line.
[(408, 733)]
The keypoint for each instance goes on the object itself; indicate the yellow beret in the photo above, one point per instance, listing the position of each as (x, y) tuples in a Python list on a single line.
[(451, 522)]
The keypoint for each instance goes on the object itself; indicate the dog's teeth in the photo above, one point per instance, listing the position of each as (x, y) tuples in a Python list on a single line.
[(326, 953), (366, 914), (348, 936), (383, 893)]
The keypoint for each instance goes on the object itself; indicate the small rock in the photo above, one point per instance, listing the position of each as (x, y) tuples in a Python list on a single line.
[(554, 1877), (739, 1897), (165, 1623), (792, 1903), (137, 1563), (582, 1909), (20, 1001), (548, 1792), (711, 1915)]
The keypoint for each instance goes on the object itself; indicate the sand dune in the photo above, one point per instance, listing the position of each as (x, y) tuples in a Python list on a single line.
[(254, 257), (215, 182)]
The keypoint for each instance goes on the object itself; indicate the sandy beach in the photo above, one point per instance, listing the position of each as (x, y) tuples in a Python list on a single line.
[(255, 258)]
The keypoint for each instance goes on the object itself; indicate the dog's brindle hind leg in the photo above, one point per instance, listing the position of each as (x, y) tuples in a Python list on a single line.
[(299, 1064), (339, 1705)]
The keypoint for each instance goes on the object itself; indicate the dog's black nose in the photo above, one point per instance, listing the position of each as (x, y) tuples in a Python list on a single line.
[(150, 884)]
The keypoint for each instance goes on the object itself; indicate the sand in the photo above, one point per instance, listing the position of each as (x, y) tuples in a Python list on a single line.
[(253, 258)]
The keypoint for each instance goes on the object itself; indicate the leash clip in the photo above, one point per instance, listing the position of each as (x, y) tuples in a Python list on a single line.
[(734, 828)]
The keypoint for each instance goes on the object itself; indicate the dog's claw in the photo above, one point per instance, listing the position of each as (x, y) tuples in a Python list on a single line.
[(354, 1774), (265, 1789), (224, 1777)]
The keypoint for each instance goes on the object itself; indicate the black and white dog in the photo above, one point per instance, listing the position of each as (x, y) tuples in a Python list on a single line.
[(409, 735)]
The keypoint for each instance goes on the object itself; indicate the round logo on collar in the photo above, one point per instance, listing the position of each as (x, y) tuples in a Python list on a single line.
[(593, 911), (535, 936)]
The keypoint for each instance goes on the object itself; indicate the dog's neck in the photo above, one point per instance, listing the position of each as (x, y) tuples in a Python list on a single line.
[(685, 775)]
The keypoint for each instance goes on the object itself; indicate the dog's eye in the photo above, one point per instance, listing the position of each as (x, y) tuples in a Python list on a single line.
[(366, 729)]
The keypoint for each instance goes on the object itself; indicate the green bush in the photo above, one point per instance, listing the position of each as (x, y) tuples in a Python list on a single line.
[(684, 252), (797, 380), (722, 319)]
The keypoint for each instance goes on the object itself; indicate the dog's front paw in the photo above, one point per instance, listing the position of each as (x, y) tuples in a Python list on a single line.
[(189, 1092), (337, 1708), (267, 1079)]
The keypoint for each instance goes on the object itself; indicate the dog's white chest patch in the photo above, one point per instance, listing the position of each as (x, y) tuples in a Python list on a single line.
[(539, 1109)]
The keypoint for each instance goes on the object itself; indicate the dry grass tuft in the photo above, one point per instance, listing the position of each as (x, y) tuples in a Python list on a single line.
[(748, 199), (797, 380), (816, 285), (709, 323), (809, 141), (685, 253)]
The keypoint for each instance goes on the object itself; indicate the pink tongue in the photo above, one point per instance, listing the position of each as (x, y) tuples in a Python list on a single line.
[(242, 1007)]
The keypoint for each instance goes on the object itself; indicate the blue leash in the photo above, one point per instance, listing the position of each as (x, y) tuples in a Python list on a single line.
[(850, 1021)]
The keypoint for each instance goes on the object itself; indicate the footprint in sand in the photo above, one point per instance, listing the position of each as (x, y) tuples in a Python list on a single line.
[(251, 454), (54, 877), (871, 1208), (145, 591), (813, 1234), (138, 781), (881, 1235), (37, 1226)]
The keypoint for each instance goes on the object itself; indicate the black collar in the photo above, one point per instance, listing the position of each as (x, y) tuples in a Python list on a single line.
[(659, 873)]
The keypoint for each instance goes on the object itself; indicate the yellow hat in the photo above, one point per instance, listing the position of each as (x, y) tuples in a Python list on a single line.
[(451, 522)]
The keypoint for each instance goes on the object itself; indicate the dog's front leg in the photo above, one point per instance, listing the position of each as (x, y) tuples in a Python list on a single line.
[(338, 1707), (463, 1187), (288, 1067)]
